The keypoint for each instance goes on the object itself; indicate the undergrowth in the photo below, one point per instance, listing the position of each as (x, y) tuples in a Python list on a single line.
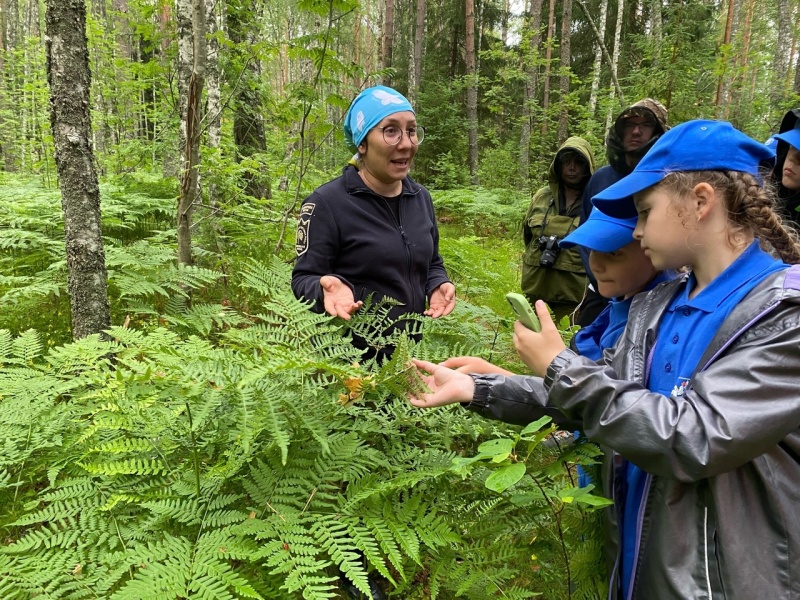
[(240, 447)]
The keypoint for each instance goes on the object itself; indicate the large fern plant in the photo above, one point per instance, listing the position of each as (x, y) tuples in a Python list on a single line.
[(267, 463)]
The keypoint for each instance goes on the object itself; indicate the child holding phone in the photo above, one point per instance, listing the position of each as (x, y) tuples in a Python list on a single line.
[(698, 399)]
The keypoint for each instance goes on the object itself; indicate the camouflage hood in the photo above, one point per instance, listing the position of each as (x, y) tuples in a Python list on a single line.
[(614, 150), (573, 144)]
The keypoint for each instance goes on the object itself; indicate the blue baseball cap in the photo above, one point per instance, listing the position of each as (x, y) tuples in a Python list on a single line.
[(772, 142), (369, 108), (791, 137), (601, 233), (691, 146)]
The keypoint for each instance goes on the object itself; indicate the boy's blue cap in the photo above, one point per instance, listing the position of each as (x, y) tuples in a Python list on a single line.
[(369, 108), (601, 233), (691, 146), (791, 137)]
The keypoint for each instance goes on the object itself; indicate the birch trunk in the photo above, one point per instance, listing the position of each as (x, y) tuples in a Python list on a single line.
[(615, 59), (190, 15), (656, 30), (69, 79), (597, 68)]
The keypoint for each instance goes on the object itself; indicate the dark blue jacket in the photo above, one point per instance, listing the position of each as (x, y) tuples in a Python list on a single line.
[(347, 230), (603, 178)]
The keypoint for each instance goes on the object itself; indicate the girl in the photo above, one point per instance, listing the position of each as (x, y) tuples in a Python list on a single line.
[(698, 399)]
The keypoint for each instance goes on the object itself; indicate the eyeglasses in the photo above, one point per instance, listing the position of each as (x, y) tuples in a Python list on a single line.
[(392, 134), (629, 125)]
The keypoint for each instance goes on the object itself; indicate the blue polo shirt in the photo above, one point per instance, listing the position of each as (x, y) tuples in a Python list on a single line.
[(604, 331), (698, 319), (687, 327)]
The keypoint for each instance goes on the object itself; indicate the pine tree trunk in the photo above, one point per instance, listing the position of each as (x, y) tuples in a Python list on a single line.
[(191, 18), (472, 90), (563, 115), (69, 80)]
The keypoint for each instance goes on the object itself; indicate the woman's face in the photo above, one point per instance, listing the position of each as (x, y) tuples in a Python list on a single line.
[(791, 170), (383, 162)]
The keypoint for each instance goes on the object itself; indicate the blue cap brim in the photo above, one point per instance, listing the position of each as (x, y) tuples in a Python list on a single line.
[(601, 233), (791, 137), (617, 199)]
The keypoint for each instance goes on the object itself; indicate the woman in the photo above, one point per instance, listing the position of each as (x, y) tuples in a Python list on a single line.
[(372, 231)]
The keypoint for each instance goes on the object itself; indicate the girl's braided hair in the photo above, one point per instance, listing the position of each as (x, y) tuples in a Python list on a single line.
[(751, 208)]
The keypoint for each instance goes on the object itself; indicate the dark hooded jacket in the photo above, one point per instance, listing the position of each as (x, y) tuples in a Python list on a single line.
[(618, 167), (789, 199), (564, 282)]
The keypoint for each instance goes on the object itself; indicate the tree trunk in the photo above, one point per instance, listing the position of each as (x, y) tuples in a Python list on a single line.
[(780, 59), (551, 19), (419, 48), (615, 58), (388, 36), (472, 91), (598, 58), (726, 40), (69, 80), (566, 26), (191, 18), (215, 11), (248, 123), (534, 23), (656, 29)]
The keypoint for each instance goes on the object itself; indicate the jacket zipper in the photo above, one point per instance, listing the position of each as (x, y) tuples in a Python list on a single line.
[(409, 263)]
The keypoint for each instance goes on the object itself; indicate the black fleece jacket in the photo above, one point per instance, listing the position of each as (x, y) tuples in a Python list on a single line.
[(347, 230)]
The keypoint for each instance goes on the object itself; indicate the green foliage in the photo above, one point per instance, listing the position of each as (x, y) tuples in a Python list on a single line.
[(246, 455)]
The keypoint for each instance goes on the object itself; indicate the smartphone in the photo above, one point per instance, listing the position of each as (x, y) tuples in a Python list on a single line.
[(524, 311)]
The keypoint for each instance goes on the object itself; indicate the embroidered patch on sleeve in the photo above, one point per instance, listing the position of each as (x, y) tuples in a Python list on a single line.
[(303, 226)]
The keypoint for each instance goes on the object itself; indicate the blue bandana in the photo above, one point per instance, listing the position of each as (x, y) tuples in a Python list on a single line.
[(369, 108)]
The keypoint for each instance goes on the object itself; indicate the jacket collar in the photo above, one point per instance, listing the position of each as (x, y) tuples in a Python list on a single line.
[(353, 184)]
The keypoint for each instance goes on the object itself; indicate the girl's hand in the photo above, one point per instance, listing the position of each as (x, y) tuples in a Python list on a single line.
[(473, 364), (447, 386), (442, 301), (537, 350), (338, 298)]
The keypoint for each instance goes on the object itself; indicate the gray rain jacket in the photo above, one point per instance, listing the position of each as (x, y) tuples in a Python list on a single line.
[(722, 519)]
